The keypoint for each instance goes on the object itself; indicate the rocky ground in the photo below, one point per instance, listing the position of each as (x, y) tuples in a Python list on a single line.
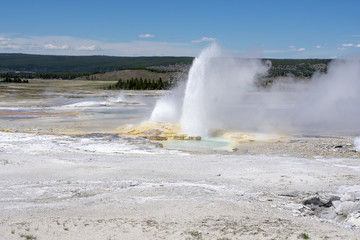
[(302, 146), (62, 187)]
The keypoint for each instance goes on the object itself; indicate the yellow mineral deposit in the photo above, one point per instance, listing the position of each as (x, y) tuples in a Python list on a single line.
[(163, 131), (156, 130), (238, 138)]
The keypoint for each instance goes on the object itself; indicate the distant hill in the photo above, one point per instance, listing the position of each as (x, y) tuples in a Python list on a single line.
[(137, 73), (112, 68), (49, 63)]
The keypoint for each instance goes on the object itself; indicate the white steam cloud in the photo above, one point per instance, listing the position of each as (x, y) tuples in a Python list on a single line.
[(331, 101), (221, 93), (357, 144), (168, 108), (328, 103)]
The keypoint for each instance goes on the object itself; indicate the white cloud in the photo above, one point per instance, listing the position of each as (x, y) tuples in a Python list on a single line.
[(86, 48), (149, 48), (9, 46), (147, 35), (318, 46), (4, 41), (66, 45), (347, 45), (55, 47), (6, 44), (293, 48), (204, 39)]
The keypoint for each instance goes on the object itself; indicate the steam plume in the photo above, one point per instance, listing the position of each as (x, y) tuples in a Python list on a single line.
[(221, 93), (216, 80), (357, 144)]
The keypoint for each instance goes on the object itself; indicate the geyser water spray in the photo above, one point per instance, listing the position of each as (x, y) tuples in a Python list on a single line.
[(216, 81), (168, 107)]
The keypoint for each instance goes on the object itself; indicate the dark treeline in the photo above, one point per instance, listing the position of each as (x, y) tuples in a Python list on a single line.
[(44, 75), (141, 84), (29, 66), (300, 68), (91, 64), (299, 72), (14, 80), (311, 61), (51, 63)]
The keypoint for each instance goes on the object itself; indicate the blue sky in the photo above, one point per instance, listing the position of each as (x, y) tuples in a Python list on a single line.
[(274, 29)]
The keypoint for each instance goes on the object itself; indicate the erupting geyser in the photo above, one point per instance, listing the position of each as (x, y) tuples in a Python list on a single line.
[(221, 93), (216, 80)]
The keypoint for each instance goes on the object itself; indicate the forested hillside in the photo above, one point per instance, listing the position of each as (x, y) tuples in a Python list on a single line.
[(89, 67), (48, 63)]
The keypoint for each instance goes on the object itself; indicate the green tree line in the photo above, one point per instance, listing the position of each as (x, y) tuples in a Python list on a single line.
[(50, 63), (44, 75), (141, 84), (14, 80)]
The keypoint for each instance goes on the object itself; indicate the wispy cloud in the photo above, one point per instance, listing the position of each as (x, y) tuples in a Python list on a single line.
[(204, 39), (86, 48), (52, 46), (66, 45), (4, 41), (6, 44), (316, 51), (293, 48), (10, 47), (146, 35), (347, 45)]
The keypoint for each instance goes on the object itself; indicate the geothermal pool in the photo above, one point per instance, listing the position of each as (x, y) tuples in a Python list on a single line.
[(44, 108)]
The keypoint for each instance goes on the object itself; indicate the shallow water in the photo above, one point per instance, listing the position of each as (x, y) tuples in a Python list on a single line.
[(44, 108), (64, 107)]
